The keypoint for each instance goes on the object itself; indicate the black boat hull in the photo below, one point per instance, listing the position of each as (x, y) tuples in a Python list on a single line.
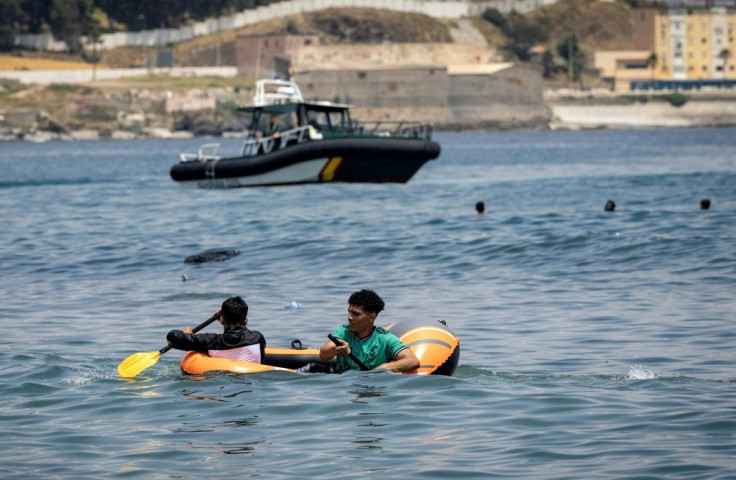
[(372, 160)]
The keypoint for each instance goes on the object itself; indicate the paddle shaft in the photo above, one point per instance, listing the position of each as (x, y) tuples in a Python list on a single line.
[(194, 330), (352, 357)]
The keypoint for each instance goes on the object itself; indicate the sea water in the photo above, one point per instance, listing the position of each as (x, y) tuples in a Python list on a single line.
[(593, 344)]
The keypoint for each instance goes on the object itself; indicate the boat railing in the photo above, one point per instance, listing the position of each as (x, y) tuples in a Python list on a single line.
[(206, 152), (382, 128), (256, 144)]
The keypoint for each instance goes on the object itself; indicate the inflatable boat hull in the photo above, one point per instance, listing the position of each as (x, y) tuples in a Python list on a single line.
[(436, 347), (371, 160)]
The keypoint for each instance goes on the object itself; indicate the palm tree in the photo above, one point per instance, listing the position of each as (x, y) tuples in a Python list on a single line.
[(652, 62), (725, 55)]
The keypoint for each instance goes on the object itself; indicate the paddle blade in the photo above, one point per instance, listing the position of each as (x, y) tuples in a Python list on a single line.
[(136, 363)]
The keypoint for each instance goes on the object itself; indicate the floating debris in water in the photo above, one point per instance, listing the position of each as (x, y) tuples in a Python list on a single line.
[(211, 256), (294, 304)]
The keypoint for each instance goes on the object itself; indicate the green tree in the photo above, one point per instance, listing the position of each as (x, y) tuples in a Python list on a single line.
[(574, 58), (725, 55), (494, 16), (522, 33), (10, 11), (652, 62), (69, 19), (548, 63), (35, 15)]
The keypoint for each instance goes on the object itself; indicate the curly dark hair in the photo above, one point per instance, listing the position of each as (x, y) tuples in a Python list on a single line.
[(368, 300), (234, 311)]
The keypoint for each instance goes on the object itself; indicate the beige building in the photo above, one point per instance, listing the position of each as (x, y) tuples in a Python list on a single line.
[(621, 67), (263, 56), (690, 43)]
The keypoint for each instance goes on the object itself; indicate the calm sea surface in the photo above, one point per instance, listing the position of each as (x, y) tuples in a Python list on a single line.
[(594, 344)]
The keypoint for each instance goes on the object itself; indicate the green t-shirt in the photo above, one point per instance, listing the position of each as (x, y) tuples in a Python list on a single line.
[(379, 347)]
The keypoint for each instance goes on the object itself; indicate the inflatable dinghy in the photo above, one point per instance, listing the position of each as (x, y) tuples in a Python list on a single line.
[(436, 347)]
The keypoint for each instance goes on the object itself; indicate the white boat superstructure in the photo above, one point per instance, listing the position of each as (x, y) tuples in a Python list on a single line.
[(276, 92)]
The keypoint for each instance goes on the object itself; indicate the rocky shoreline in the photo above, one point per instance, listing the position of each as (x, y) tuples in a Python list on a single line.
[(562, 112)]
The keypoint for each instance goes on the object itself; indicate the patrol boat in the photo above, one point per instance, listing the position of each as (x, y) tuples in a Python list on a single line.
[(292, 141)]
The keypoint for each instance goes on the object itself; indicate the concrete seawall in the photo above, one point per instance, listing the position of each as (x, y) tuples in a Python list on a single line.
[(713, 112)]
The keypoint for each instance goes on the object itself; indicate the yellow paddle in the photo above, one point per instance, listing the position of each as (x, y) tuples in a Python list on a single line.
[(136, 363)]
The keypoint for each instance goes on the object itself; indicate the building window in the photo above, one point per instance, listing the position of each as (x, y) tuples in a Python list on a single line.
[(265, 43), (361, 75), (704, 41), (705, 69), (308, 41)]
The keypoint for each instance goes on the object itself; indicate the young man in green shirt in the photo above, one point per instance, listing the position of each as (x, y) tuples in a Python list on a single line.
[(374, 347)]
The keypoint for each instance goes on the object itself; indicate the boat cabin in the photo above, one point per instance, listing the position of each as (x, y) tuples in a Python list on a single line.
[(323, 117), (278, 106)]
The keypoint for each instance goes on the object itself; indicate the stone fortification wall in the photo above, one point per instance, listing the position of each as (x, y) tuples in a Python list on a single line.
[(394, 54), (508, 98), (405, 87), (167, 36)]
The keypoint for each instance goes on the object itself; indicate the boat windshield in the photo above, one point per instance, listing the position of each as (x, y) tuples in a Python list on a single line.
[(269, 124), (329, 120)]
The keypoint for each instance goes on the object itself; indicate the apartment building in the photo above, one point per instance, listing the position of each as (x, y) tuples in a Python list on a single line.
[(690, 43)]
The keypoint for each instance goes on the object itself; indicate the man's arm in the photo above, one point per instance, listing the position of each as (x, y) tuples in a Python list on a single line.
[(329, 350), (405, 361), (185, 340)]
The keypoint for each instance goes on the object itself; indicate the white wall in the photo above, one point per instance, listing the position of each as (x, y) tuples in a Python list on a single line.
[(83, 76)]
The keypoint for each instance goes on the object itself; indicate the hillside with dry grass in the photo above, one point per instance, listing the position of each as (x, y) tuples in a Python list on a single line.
[(598, 25)]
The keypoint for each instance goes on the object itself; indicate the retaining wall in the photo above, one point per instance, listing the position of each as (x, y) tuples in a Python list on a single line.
[(83, 76)]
